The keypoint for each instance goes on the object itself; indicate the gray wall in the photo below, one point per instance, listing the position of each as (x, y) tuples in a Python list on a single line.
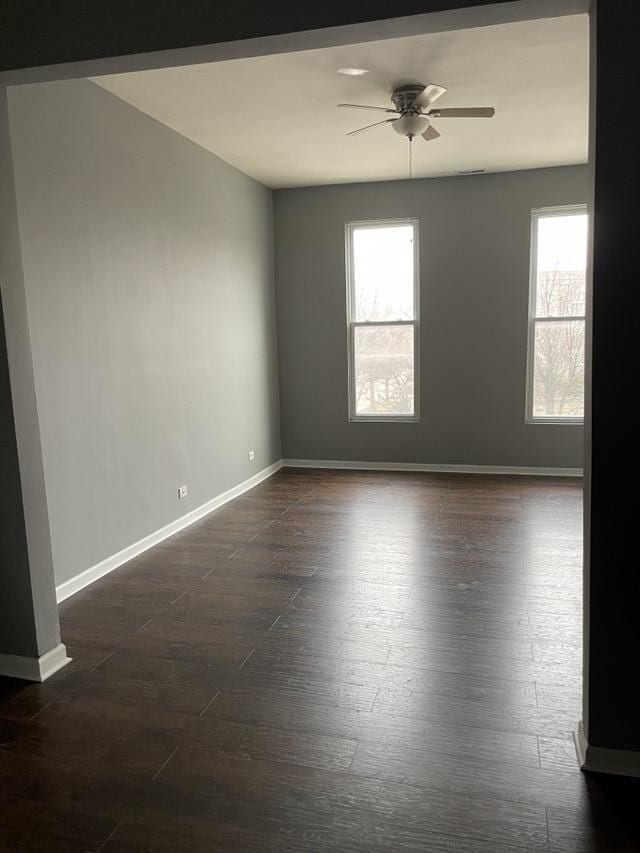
[(18, 632), (149, 277), (474, 265), (29, 625)]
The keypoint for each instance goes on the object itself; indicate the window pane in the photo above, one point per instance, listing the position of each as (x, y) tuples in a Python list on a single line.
[(561, 263), (558, 369), (384, 370), (383, 273)]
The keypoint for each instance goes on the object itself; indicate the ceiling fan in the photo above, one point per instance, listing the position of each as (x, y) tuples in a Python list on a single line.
[(413, 113)]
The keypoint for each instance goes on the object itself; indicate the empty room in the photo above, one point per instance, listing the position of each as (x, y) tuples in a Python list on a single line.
[(306, 544)]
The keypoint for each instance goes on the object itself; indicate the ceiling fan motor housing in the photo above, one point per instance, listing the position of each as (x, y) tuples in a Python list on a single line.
[(411, 122), (405, 97)]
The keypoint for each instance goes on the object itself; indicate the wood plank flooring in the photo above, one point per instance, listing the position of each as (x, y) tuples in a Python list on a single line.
[(335, 662)]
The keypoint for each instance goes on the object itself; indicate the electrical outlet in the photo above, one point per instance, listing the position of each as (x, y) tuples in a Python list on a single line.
[(252, 456), (183, 491)]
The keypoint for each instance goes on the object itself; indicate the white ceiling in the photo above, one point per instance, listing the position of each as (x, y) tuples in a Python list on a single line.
[(274, 117)]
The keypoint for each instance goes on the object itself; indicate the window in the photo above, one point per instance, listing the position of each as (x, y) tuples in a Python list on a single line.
[(382, 316), (555, 372)]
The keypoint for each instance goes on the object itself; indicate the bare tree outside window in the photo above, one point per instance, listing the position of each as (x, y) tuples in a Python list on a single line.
[(382, 319), (384, 369), (557, 324)]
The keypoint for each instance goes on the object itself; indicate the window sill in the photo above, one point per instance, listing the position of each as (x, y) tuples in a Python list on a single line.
[(391, 419), (555, 421)]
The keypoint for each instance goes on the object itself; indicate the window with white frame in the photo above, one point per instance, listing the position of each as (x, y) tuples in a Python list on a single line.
[(555, 371), (382, 317)]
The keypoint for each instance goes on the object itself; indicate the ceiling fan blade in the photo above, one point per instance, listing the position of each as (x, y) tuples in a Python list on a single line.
[(430, 133), (366, 107), (369, 126), (430, 94), (462, 112)]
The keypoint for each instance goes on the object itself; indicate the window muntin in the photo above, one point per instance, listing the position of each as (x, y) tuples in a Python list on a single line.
[(382, 315), (555, 375)]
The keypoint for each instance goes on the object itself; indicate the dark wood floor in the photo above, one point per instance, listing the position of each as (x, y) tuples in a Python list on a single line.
[(335, 661)]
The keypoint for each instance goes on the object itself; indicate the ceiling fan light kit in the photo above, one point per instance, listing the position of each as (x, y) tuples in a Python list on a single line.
[(410, 125), (413, 114)]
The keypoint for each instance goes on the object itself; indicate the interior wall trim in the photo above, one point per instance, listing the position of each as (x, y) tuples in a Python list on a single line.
[(598, 759), (34, 669), (88, 576), (431, 467), (99, 570)]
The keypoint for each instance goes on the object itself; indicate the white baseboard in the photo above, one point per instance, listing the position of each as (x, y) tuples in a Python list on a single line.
[(82, 580), (34, 669), (433, 468), (597, 759), (88, 576)]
